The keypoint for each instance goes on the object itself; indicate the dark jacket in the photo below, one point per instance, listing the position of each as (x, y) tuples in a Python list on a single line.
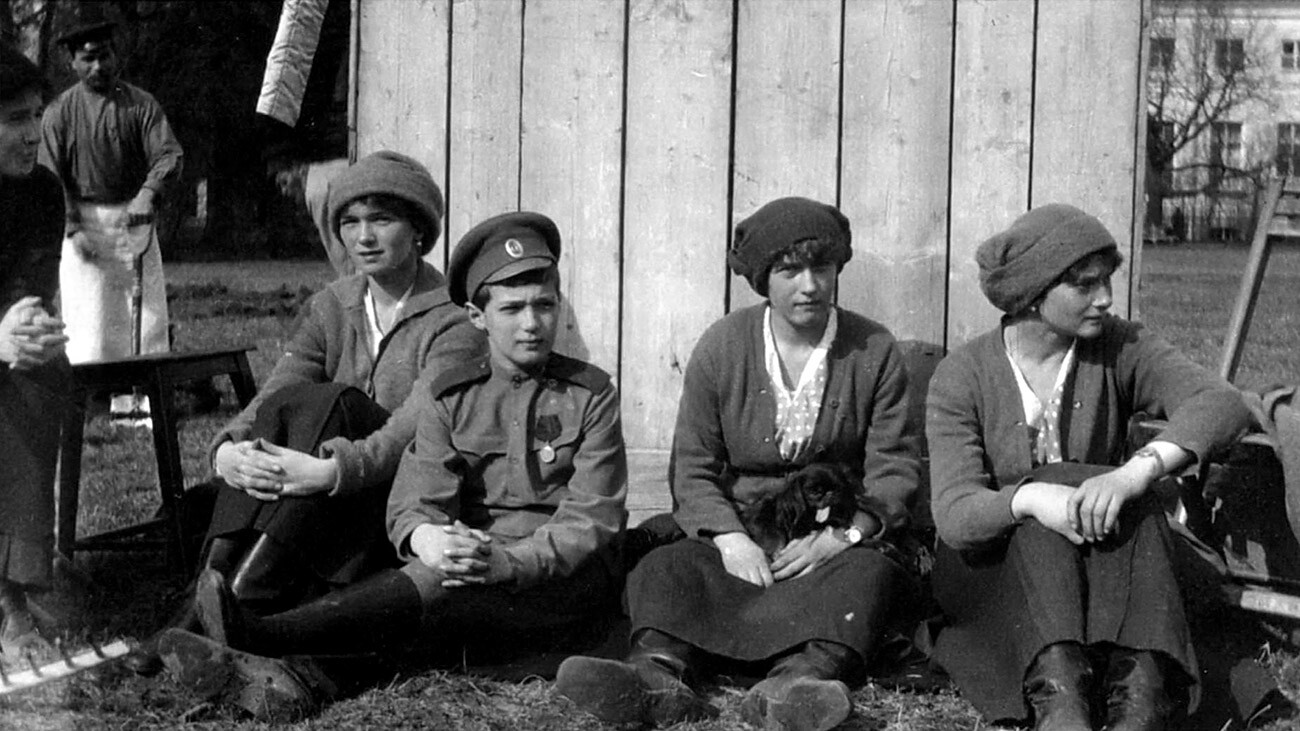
[(979, 452), (331, 345), (724, 450)]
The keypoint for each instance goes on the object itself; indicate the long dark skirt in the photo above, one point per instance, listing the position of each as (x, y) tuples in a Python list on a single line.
[(32, 406), (1005, 604), (340, 538), (684, 590)]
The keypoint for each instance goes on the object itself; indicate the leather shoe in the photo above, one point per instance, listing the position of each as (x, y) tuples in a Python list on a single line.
[(271, 689), (636, 691), (1058, 685)]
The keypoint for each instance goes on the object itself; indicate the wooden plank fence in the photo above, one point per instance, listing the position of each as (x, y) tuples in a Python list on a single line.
[(648, 128)]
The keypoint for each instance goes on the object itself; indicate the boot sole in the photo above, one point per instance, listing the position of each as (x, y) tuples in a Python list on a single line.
[(268, 688), (807, 705), (607, 689)]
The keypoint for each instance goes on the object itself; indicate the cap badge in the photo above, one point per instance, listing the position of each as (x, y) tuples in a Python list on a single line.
[(514, 248)]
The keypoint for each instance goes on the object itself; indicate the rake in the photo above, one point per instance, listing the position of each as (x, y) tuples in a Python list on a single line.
[(69, 664)]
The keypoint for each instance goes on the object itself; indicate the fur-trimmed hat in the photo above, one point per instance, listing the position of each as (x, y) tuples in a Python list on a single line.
[(1018, 265), (777, 226), (395, 174)]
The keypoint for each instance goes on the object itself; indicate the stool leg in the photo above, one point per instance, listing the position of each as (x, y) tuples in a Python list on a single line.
[(242, 379), (171, 479), (69, 482)]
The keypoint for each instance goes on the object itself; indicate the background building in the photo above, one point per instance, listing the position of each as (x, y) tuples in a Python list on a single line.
[(1223, 100)]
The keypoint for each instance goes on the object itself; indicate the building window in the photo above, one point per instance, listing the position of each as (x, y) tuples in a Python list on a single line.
[(1164, 133), (1162, 54), (1225, 149), (1229, 55), (1291, 55), (1288, 148)]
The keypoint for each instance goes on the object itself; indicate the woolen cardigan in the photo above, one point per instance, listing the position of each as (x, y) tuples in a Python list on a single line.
[(979, 445), (724, 447), (331, 345)]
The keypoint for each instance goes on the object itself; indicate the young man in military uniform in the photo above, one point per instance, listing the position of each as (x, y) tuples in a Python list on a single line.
[(505, 508)]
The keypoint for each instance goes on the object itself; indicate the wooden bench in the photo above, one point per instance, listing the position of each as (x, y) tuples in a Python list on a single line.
[(155, 376)]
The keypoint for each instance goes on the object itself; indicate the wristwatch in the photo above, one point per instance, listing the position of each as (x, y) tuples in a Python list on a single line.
[(853, 535), (1149, 451)]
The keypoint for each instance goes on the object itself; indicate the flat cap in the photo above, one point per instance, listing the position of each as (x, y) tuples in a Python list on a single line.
[(87, 31), (499, 248)]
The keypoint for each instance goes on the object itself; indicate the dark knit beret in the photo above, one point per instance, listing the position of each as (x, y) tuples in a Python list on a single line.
[(499, 248), (777, 226), (395, 174), (1020, 264), (18, 74)]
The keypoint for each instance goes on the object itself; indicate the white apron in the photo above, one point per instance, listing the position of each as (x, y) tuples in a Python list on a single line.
[(95, 292)]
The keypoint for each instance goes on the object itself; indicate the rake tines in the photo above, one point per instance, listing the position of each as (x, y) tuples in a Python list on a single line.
[(68, 664)]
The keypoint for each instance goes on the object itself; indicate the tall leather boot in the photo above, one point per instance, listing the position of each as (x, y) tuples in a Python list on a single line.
[(380, 613), (1058, 686), (270, 578), (222, 554), (653, 686), (1137, 691), (803, 691)]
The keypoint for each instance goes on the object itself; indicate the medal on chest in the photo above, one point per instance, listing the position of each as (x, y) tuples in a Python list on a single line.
[(547, 430)]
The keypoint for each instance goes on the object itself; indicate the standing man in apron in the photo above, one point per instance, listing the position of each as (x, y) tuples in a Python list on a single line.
[(111, 146)]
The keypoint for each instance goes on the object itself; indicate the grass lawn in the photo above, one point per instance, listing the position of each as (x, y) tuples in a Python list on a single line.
[(1186, 295)]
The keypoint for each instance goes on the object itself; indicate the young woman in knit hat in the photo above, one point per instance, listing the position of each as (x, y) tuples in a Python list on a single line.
[(288, 526), (1054, 565), (768, 390)]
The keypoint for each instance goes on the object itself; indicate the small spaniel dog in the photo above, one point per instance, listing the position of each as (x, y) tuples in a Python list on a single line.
[(816, 496)]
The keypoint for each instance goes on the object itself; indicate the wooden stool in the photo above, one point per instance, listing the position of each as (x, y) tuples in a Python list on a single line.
[(156, 376)]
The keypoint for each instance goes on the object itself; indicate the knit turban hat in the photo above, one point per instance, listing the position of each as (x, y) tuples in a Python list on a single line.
[(777, 226), (1018, 265), (395, 174)]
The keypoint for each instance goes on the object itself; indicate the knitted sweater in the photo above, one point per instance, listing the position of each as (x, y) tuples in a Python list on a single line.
[(331, 345), (975, 424), (724, 446)]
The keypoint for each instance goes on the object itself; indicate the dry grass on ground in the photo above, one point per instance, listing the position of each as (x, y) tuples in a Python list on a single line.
[(1186, 295)]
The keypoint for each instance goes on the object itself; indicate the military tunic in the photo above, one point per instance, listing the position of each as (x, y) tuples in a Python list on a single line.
[(537, 462)]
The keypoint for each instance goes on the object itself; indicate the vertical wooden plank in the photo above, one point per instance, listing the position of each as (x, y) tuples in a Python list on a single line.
[(675, 226), (483, 158), (571, 159), (897, 104), (402, 102), (991, 127), (1085, 141), (787, 108)]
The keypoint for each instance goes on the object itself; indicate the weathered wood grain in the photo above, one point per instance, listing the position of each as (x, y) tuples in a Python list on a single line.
[(483, 156), (991, 145), (894, 169), (572, 160), (401, 85), (1085, 142), (675, 230), (787, 108)]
